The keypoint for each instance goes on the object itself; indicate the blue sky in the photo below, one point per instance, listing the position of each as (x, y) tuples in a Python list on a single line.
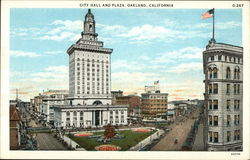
[(149, 45)]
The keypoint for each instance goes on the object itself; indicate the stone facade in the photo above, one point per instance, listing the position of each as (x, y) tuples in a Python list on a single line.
[(223, 69), (132, 102), (154, 104), (89, 101)]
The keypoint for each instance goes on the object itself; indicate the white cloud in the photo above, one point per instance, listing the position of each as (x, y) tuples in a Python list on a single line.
[(127, 65), (183, 53), (185, 67), (218, 25), (54, 52), (50, 73), (16, 53), (59, 37)]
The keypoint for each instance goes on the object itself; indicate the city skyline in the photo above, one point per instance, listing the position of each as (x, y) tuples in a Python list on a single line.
[(162, 45)]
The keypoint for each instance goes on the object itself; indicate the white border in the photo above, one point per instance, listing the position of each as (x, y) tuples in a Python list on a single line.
[(4, 123)]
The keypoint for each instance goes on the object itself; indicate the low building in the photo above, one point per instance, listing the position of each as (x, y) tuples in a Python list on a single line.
[(14, 128), (132, 101), (89, 116), (115, 94), (54, 99), (154, 104)]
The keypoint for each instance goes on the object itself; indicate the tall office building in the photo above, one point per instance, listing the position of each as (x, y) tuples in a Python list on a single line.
[(223, 69), (89, 101)]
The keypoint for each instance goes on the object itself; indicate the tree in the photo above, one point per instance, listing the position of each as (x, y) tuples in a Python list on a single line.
[(109, 131)]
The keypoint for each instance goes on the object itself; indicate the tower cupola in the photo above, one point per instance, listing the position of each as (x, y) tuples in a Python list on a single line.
[(89, 27)]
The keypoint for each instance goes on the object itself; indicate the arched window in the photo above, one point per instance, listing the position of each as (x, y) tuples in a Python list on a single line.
[(68, 113), (74, 113), (97, 102), (210, 73), (228, 73), (236, 72), (215, 71)]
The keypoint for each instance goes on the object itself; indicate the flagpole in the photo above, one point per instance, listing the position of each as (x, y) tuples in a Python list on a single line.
[(213, 25)]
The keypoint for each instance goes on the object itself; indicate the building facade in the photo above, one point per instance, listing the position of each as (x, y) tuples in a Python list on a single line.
[(115, 94), (154, 104), (133, 102), (55, 98), (89, 101), (14, 128), (223, 69)]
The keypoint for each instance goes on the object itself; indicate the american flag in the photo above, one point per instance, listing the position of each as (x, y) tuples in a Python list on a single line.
[(208, 14), (156, 82)]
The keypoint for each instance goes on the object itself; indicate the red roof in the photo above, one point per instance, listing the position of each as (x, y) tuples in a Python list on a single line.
[(14, 115)]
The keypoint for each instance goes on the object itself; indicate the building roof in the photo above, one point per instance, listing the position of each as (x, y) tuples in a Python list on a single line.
[(14, 115)]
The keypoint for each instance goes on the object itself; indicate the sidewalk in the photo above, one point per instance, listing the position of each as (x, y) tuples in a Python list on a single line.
[(199, 143)]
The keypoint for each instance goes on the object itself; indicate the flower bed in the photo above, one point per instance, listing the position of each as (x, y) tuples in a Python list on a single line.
[(141, 130), (107, 148), (83, 134)]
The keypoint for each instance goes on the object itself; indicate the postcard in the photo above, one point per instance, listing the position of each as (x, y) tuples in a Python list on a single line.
[(125, 79)]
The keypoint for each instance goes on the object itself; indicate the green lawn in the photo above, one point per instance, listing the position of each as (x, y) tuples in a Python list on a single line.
[(131, 139)]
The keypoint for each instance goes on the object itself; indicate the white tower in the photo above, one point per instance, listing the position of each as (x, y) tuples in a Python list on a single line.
[(89, 68), (223, 69)]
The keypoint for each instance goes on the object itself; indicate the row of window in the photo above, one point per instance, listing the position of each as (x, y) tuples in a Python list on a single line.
[(213, 104), (213, 88), (213, 120), (213, 73), (117, 112), (225, 58), (88, 60), (214, 136)]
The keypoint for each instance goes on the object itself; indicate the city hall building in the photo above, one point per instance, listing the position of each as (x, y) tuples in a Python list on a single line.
[(223, 69), (89, 103)]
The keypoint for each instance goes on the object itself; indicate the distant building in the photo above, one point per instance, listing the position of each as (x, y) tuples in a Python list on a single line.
[(154, 103), (89, 101), (14, 128), (133, 102), (223, 69), (58, 98), (115, 94)]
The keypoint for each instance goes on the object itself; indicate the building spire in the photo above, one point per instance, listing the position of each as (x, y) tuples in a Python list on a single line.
[(89, 27)]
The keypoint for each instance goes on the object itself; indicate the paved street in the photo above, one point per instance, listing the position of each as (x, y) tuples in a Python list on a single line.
[(47, 142), (199, 143), (179, 131)]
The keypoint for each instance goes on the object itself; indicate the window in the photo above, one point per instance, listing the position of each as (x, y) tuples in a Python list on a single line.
[(210, 136), (215, 120), (215, 87), (235, 86), (68, 113), (215, 104), (228, 120), (215, 72), (210, 120), (238, 119), (238, 89), (228, 73), (235, 119), (212, 58), (216, 139), (210, 104), (228, 104), (236, 135), (228, 88), (210, 73), (219, 57), (210, 88), (228, 136)]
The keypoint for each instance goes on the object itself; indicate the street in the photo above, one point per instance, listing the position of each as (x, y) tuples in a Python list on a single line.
[(47, 142), (179, 130)]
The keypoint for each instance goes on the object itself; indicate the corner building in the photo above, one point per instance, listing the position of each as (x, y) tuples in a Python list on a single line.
[(223, 69), (89, 101)]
